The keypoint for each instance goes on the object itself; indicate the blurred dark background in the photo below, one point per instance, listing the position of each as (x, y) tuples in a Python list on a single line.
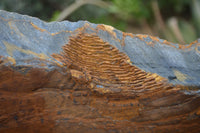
[(175, 20)]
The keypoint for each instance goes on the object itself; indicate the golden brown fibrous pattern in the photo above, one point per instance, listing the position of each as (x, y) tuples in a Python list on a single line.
[(97, 90), (79, 77), (106, 67), (121, 91)]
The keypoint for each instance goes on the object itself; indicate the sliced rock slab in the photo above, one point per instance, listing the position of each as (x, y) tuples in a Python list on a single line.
[(71, 77)]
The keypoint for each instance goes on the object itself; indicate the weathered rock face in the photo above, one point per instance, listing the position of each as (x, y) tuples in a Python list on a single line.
[(81, 77)]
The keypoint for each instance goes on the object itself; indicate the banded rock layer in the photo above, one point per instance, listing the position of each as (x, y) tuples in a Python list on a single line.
[(82, 77)]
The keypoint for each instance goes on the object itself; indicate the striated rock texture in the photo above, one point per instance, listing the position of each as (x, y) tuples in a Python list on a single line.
[(67, 77)]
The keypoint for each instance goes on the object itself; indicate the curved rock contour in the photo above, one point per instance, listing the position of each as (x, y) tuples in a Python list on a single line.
[(83, 77)]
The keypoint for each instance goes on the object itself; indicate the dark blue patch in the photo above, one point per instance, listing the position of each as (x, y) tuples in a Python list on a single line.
[(42, 120), (74, 101), (172, 77), (15, 117), (59, 112)]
